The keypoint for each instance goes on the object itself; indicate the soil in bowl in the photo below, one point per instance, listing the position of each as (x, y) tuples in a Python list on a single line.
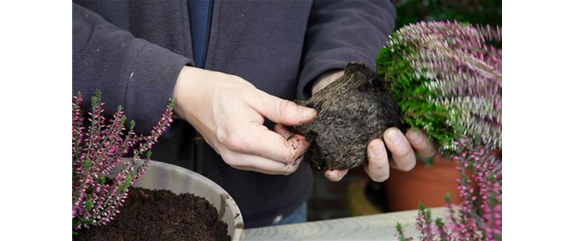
[(161, 215)]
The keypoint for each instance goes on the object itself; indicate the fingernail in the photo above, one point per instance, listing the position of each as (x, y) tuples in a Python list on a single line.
[(337, 175), (393, 135), (334, 175), (329, 175), (377, 151), (306, 113)]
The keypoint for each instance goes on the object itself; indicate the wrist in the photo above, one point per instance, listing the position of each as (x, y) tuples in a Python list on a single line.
[(325, 79), (182, 91)]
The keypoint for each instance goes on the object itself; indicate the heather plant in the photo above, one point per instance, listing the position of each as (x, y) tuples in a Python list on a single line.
[(447, 79), (479, 216), (95, 152)]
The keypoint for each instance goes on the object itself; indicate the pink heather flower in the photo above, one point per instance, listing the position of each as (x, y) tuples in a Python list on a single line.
[(95, 201)]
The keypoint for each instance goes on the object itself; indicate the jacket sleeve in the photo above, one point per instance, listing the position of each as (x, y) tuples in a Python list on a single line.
[(129, 71), (339, 32)]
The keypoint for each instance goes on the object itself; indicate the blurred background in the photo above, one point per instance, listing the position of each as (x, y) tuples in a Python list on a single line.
[(356, 195), (470, 11)]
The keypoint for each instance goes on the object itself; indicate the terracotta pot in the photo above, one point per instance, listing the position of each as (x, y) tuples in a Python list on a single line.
[(404, 190)]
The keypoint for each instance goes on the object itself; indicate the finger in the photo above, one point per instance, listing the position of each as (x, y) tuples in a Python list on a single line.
[(335, 175), (401, 150), (283, 111), (378, 166), (283, 131), (260, 164), (289, 135), (420, 142), (257, 140)]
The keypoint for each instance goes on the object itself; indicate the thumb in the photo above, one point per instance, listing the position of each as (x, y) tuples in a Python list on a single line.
[(283, 111)]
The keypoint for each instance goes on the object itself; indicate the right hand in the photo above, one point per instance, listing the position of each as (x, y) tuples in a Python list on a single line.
[(229, 113)]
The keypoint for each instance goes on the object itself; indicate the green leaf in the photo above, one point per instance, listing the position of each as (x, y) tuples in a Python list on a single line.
[(89, 202), (399, 227), (102, 180), (127, 182), (421, 206), (447, 198), (97, 98), (88, 165)]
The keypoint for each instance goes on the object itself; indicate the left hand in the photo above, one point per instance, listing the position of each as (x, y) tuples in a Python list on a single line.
[(401, 146)]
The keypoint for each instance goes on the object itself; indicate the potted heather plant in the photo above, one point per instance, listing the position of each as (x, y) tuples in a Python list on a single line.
[(167, 203), (442, 77)]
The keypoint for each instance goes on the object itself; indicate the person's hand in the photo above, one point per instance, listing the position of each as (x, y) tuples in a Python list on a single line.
[(229, 113), (401, 146)]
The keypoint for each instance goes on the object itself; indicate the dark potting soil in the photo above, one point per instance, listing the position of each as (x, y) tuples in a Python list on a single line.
[(161, 215), (352, 110)]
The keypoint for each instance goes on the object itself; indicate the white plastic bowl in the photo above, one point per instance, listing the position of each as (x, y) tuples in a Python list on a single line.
[(165, 176)]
